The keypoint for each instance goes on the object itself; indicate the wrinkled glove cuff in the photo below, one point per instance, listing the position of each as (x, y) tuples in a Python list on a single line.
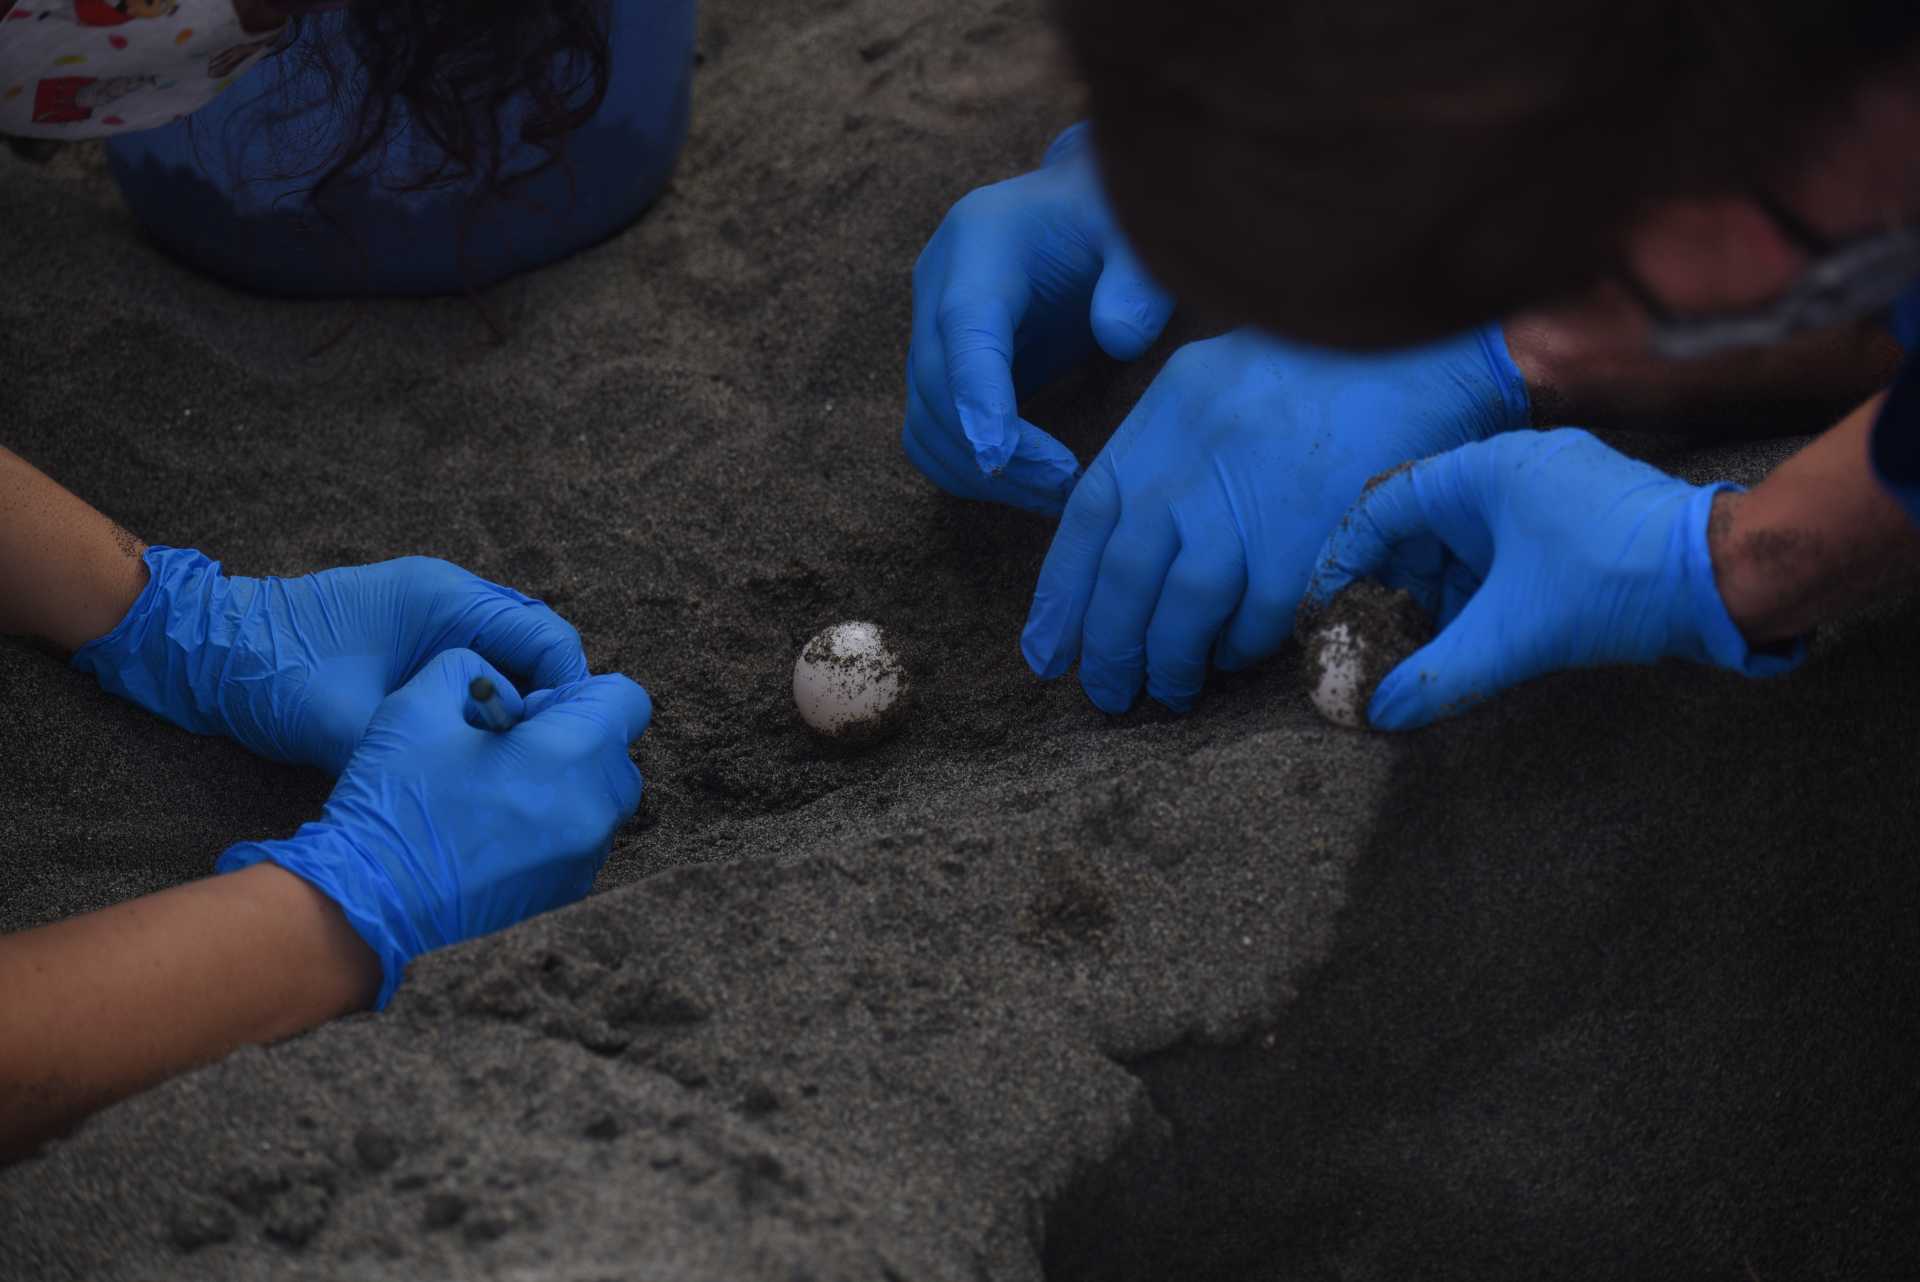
[(1071, 142), (151, 656), (324, 856), (1507, 378), (1719, 635)]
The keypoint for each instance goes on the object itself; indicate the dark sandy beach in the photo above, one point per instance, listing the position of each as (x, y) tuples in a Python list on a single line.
[(1616, 978)]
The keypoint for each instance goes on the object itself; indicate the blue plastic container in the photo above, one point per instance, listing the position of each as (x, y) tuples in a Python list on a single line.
[(205, 188)]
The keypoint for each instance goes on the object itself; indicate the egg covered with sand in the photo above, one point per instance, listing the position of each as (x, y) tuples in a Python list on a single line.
[(1363, 634), (850, 685)]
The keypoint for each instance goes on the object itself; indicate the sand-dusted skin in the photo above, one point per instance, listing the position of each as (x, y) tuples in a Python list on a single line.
[(1363, 634)]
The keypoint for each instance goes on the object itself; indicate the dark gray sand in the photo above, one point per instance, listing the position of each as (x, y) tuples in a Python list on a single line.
[(1611, 978)]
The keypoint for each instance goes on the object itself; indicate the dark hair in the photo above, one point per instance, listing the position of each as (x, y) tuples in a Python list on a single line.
[(1369, 172), (457, 66)]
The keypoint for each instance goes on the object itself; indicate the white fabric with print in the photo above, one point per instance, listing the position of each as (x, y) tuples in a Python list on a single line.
[(74, 69)]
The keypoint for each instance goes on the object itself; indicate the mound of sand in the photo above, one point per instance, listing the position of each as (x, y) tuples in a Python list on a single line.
[(1611, 979)]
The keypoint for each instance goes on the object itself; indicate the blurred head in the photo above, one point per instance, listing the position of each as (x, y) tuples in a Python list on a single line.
[(456, 66), (1378, 172)]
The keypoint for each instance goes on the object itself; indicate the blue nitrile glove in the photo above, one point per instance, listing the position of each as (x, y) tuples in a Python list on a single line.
[(440, 831), (1193, 533), (293, 668), (1535, 552), (1015, 288)]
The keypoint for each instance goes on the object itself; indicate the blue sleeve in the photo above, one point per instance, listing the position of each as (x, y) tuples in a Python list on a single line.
[(1906, 319), (1896, 433)]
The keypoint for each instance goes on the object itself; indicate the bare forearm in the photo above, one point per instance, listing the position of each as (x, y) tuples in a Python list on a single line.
[(67, 573), (97, 1007), (1595, 375), (1816, 540)]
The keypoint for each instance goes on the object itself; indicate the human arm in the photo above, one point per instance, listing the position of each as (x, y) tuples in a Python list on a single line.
[(438, 831), (67, 573), (1817, 539), (1590, 365), (101, 1006)]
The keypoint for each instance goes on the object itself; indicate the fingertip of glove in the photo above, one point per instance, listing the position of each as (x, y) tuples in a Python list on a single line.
[(1227, 659), (1383, 711), (1396, 705), (1106, 698), (640, 712), (1041, 651), (1124, 338), (992, 436), (1110, 696), (1174, 700), (991, 460)]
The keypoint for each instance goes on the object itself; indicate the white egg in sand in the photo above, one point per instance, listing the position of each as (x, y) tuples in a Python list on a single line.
[(850, 685), (1363, 634), (1336, 692)]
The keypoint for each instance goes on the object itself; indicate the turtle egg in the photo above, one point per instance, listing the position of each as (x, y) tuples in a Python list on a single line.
[(850, 685), (1353, 644), (1340, 691)]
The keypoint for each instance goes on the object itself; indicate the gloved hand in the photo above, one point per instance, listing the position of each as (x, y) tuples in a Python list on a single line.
[(1193, 532), (293, 668), (1019, 282), (439, 831), (1538, 551)]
